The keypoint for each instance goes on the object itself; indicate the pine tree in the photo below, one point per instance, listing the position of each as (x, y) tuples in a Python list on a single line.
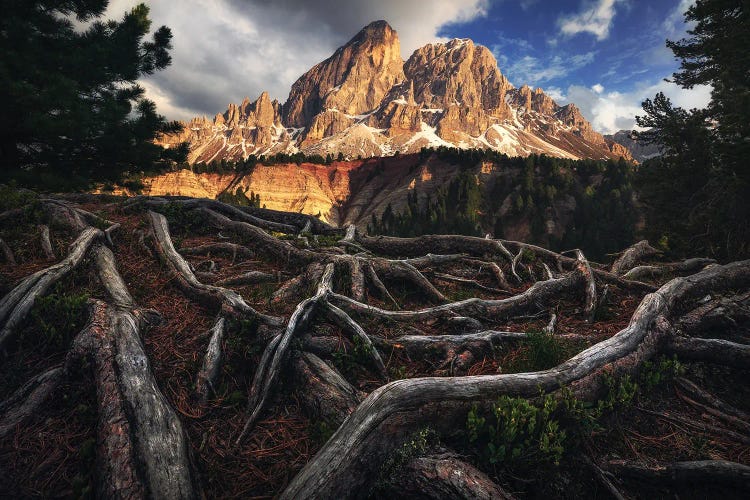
[(71, 105), (698, 194)]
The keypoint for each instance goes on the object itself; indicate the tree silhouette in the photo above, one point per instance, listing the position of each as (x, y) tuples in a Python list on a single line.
[(71, 106)]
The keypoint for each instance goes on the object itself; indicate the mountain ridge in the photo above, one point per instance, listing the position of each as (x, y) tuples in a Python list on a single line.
[(365, 101)]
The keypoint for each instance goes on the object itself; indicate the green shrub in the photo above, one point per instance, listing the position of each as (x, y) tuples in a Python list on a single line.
[(517, 430), (58, 317)]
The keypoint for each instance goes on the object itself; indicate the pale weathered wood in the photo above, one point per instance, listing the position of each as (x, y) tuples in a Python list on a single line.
[(404, 271), (15, 306), (208, 375), (631, 256), (142, 447), (277, 351), (185, 279), (444, 477), (718, 351), (230, 210), (263, 242), (324, 394), (27, 401), (389, 413), (537, 296), (589, 308), (657, 271), (248, 278), (357, 332), (46, 243), (227, 248), (705, 472)]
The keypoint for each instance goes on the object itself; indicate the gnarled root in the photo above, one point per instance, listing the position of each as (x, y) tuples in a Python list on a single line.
[(205, 382), (16, 305), (26, 401), (655, 272), (232, 249), (632, 256), (444, 476), (391, 412), (323, 393), (187, 282), (276, 352), (714, 472), (718, 351)]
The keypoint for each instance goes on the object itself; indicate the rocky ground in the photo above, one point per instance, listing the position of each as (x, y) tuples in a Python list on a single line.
[(176, 347)]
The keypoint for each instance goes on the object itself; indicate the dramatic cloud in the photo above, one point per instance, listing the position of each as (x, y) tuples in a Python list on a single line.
[(595, 18), (225, 50), (613, 111)]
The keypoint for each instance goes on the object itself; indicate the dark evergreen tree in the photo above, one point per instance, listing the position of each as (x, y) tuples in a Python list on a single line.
[(698, 195), (71, 107)]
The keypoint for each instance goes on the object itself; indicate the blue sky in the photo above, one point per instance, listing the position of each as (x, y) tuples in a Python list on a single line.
[(605, 56), (611, 51)]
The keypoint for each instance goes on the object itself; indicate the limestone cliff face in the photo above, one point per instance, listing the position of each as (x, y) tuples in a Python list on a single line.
[(353, 80), (461, 74), (365, 101)]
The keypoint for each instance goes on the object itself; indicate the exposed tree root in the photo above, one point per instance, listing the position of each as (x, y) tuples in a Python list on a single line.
[(388, 414), (298, 284), (706, 397), (184, 278), (46, 243), (714, 472), (226, 248), (276, 352), (249, 278), (656, 272), (530, 301), (719, 351), (26, 402), (297, 219), (632, 256), (358, 336), (403, 270), (450, 346), (326, 396), (16, 305), (229, 210), (699, 426), (444, 477), (465, 281), (143, 450), (589, 308), (262, 242), (205, 382), (378, 284)]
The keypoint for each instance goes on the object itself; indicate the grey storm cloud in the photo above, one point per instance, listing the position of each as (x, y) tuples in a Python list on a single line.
[(225, 50)]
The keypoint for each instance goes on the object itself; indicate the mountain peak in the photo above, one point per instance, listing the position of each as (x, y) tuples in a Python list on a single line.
[(353, 80), (380, 26), (365, 100)]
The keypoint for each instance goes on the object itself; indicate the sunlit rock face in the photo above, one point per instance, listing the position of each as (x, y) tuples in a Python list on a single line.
[(366, 101)]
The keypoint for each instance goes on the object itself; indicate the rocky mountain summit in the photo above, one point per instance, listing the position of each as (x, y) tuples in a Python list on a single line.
[(366, 101)]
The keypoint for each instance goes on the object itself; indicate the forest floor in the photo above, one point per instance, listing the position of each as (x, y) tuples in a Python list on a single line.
[(648, 420)]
